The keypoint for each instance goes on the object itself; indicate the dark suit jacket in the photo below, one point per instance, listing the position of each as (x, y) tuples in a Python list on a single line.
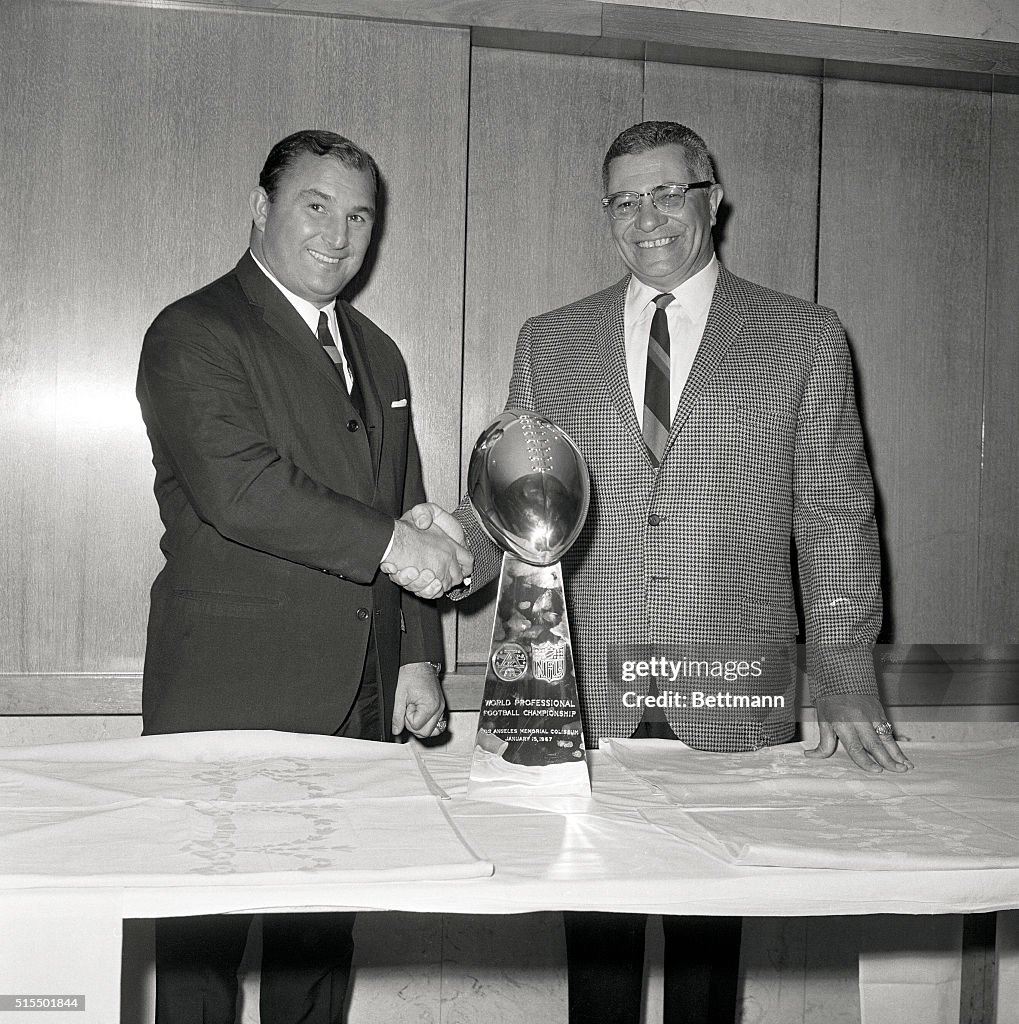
[(278, 503), (765, 448)]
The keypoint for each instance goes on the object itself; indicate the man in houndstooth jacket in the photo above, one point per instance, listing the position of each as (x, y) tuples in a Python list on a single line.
[(690, 544)]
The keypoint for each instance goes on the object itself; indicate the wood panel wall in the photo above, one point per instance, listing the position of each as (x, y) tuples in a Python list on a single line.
[(536, 233), (895, 204), (132, 135), (998, 561), (132, 139), (903, 258), (763, 130)]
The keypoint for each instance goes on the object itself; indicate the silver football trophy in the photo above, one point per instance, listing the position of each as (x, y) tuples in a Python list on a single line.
[(530, 490)]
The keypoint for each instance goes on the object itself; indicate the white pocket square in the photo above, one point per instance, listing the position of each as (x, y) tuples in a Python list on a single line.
[(400, 403)]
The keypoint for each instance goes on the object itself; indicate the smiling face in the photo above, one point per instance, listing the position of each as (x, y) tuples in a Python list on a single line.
[(315, 232), (663, 250)]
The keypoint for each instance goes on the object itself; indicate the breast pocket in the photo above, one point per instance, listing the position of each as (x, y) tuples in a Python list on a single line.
[(756, 444)]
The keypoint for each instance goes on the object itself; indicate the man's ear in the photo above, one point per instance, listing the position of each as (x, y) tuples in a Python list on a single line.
[(715, 194), (259, 202)]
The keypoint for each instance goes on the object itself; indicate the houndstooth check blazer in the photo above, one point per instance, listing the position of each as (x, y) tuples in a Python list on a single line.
[(765, 447)]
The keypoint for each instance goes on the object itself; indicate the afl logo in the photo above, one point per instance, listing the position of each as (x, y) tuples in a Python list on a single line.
[(509, 662)]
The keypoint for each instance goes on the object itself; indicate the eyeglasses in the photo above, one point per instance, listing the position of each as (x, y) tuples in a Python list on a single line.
[(668, 198)]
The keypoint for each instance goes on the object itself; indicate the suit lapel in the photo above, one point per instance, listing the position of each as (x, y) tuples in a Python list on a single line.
[(281, 317), (723, 327), (610, 340)]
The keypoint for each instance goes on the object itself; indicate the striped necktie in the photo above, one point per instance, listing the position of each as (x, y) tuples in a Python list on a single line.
[(656, 383), (326, 340)]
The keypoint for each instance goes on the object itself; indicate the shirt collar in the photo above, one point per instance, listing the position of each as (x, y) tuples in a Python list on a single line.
[(694, 294), (308, 310)]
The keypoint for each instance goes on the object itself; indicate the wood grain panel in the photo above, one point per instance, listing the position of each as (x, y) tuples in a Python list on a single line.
[(80, 525), (139, 133), (763, 131), (68, 693), (903, 260), (999, 488), (980, 686), (724, 32), (693, 36), (32, 731), (573, 17), (536, 235)]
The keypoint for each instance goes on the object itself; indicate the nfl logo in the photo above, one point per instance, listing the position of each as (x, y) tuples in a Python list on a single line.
[(549, 661)]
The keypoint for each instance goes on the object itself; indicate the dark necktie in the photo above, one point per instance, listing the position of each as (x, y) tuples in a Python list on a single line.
[(656, 382), (328, 342)]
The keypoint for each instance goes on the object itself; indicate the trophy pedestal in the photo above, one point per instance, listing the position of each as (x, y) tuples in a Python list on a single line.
[(530, 739)]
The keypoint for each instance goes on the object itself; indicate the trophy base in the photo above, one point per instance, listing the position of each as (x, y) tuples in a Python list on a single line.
[(530, 738), (551, 786)]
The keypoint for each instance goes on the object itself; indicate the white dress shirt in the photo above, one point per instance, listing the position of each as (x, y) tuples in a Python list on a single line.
[(687, 315)]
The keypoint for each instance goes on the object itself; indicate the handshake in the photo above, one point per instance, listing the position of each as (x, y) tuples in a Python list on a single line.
[(428, 556)]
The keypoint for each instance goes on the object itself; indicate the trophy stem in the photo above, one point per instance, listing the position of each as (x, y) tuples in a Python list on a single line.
[(530, 735)]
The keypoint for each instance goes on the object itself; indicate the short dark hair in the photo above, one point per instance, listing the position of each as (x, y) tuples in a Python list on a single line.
[(640, 138), (319, 143)]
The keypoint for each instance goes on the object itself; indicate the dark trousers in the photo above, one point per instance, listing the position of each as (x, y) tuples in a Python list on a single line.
[(305, 968), (605, 964), (605, 957), (306, 958)]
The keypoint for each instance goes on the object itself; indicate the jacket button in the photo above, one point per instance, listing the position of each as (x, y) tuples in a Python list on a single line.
[(363, 613), (353, 426), (655, 519)]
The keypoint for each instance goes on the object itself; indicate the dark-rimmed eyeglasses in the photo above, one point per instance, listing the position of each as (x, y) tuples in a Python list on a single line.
[(668, 198)]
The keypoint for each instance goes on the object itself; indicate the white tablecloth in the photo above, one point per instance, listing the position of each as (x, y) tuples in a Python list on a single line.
[(232, 822), (232, 808), (958, 809), (181, 818)]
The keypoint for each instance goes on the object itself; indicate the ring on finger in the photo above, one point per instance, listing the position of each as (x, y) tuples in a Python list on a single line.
[(884, 728)]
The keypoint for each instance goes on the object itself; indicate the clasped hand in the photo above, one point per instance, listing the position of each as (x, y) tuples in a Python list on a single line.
[(428, 555)]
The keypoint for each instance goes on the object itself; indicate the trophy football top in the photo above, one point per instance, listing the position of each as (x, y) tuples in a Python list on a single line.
[(529, 486)]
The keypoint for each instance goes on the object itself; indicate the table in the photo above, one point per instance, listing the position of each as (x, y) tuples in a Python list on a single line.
[(93, 833)]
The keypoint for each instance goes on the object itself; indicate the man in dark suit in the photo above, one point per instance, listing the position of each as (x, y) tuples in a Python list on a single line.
[(281, 433), (719, 423)]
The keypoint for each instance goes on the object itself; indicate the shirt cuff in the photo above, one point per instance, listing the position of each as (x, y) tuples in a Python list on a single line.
[(389, 546)]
